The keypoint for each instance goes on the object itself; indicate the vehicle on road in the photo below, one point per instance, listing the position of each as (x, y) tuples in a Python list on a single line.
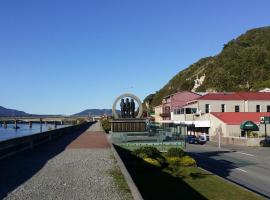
[(192, 139)]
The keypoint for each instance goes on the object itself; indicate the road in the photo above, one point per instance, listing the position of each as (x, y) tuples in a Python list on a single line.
[(246, 166)]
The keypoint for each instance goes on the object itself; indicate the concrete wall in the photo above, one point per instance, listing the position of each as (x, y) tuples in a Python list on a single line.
[(13, 146), (215, 105), (252, 105), (252, 142), (217, 127)]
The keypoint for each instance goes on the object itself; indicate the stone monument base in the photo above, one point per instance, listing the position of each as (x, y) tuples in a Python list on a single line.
[(128, 125)]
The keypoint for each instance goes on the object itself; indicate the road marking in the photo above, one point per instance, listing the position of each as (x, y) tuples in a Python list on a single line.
[(247, 154), (241, 170)]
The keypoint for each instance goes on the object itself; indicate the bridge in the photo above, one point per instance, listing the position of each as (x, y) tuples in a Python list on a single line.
[(46, 120)]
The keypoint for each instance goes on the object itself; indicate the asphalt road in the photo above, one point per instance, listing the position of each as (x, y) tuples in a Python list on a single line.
[(246, 166)]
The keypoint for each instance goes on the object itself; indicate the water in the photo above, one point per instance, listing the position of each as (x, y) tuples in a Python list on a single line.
[(10, 132)]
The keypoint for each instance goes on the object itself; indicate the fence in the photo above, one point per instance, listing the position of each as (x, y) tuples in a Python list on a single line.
[(13, 146)]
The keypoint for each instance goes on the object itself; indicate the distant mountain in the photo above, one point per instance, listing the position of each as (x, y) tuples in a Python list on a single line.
[(95, 112), (5, 112), (242, 65)]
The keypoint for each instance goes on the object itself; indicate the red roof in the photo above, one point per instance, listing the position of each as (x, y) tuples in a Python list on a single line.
[(236, 118), (237, 96), (181, 98)]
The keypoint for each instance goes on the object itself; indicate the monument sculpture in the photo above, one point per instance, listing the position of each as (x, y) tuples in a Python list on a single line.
[(129, 118)]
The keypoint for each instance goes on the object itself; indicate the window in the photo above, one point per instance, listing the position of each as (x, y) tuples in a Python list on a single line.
[(175, 111), (223, 108), (182, 111), (207, 108), (268, 108), (258, 108), (237, 108)]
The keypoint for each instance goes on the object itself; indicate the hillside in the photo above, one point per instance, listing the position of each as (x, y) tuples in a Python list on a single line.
[(5, 112), (95, 112), (242, 65)]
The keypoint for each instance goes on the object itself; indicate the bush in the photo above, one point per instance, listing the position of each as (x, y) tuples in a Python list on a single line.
[(106, 125), (187, 161), (175, 152), (174, 161), (252, 134), (147, 152), (152, 162)]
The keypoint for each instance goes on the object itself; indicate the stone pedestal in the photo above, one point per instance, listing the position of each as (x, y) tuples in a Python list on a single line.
[(128, 125)]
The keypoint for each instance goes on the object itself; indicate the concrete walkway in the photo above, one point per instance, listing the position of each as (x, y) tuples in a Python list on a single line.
[(81, 171)]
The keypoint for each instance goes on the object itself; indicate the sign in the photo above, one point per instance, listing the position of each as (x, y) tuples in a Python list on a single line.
[(265, 120), (249, 126)]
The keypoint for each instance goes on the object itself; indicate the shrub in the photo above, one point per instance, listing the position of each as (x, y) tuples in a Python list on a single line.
[(152, 162), (175, 152), (149, 152), (142, 155), (106, 125), (187, 161), (174, 163)]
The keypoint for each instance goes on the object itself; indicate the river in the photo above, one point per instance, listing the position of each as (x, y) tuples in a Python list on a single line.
[(10, 132)]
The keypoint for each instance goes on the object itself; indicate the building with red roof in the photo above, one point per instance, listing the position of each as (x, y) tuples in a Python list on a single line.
[(217, 113), (171, 102), (227, 125)]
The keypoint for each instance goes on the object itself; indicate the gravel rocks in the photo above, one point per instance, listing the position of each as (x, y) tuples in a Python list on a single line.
[(73, 174)]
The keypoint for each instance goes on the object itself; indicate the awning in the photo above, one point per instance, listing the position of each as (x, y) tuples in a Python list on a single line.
[(249, 126)]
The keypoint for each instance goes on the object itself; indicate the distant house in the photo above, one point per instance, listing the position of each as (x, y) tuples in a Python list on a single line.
[(216, 111), (227, 125), (172, 102)]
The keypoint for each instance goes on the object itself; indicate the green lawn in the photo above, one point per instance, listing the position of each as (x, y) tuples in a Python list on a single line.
[(214, 187), (187, 183)]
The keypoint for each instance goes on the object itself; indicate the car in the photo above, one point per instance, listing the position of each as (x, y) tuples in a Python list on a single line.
[(192, 139)]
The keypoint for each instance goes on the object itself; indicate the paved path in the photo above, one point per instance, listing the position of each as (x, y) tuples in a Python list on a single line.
[(80, 171), (249, 167)]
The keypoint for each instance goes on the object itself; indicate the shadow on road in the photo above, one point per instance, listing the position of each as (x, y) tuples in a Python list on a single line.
[(154, 183), (17, 169), (213, 162)]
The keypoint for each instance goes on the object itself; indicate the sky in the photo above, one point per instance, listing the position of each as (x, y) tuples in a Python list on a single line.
[(65, 56)]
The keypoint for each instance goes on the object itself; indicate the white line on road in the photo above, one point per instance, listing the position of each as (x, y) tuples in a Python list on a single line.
[(247, 154), (241, 170)]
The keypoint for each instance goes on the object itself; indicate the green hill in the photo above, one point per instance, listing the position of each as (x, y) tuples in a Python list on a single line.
[(242, 65)]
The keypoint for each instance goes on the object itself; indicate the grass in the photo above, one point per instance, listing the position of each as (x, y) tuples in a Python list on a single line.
[(185, 183), (120, 182), (214, 187)]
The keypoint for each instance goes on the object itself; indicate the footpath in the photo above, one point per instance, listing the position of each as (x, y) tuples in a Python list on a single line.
[(83, 170)]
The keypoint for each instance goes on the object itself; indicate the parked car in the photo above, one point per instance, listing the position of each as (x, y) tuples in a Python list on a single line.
[(192, 139), (265, 142)]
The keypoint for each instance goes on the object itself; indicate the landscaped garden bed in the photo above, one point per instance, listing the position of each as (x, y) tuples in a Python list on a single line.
[(174, 175)]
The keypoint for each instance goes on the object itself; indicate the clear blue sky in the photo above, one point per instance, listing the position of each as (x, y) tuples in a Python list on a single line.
[(63, 56)]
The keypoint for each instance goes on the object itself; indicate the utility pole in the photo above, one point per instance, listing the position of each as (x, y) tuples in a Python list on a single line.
[(219, 140)]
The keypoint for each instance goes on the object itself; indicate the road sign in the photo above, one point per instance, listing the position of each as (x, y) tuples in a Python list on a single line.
[(265, 120)]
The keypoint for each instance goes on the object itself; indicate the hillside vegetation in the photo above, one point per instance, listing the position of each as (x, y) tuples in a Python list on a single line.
[(242, 65)]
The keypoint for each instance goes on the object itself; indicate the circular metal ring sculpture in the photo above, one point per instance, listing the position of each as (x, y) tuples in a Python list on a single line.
[(116, 116)]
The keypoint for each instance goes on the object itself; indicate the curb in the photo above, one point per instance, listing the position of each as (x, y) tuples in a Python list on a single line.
[(132, 186)]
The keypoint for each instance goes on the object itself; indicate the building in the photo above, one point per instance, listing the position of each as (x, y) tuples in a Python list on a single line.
[(227, 126), (172, 102), (212, 111)]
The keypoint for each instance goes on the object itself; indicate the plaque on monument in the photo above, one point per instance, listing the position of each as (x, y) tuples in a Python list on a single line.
[(129, 118)]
